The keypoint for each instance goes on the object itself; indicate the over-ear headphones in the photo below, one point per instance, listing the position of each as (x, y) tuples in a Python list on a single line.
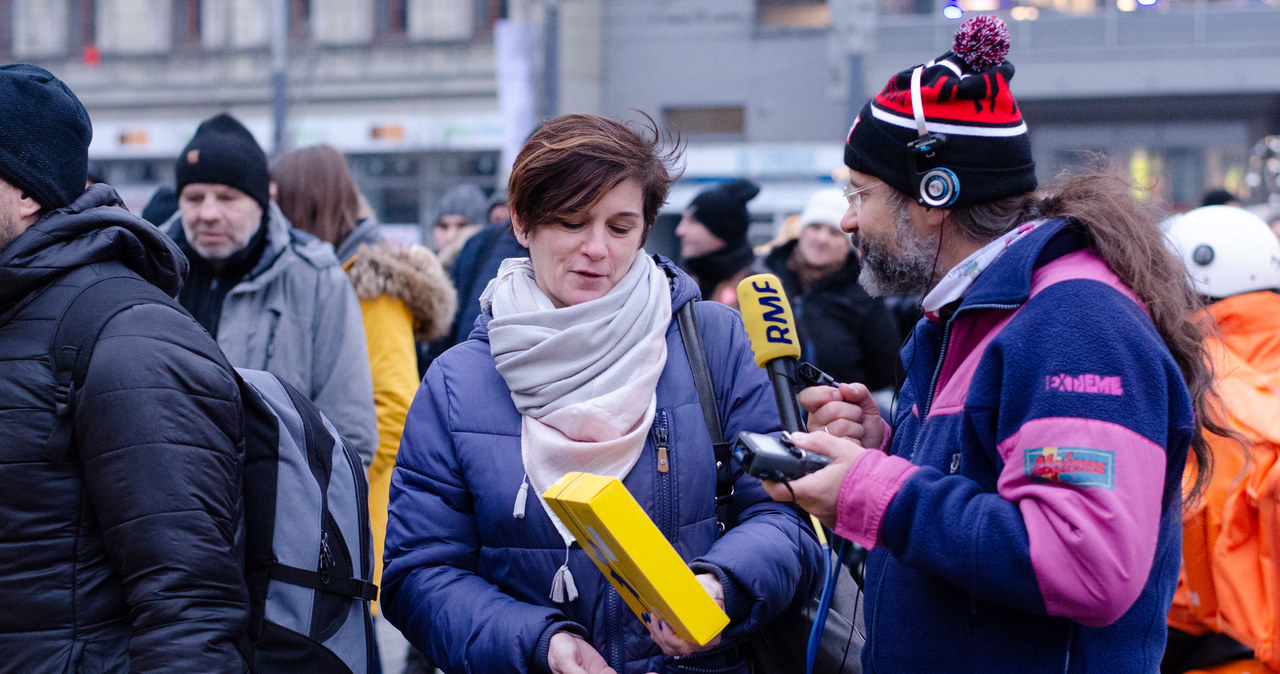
[(938, 188)]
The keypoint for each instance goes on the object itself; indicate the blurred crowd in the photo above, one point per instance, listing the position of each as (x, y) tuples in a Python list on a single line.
[(1026, 360)]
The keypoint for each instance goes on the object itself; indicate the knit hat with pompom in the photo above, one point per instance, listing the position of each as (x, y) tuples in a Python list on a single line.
[(969, 131)]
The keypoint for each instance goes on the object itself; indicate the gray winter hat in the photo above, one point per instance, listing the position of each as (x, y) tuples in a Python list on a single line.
[(467, 200)]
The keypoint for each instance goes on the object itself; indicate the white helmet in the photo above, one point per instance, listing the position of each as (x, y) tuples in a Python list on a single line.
[(1227, 250)]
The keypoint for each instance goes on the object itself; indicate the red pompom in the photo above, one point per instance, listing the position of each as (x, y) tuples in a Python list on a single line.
[(982, 42)]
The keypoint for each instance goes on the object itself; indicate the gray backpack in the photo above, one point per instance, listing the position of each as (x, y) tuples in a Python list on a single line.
[(308, 547)]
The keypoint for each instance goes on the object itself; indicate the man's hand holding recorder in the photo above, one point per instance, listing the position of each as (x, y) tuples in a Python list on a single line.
[(843, 418)]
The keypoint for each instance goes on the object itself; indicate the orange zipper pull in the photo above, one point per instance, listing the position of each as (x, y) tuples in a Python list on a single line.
[(663, 464)]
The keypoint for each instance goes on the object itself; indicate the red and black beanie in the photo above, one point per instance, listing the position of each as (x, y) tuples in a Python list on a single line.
[(972, 125)]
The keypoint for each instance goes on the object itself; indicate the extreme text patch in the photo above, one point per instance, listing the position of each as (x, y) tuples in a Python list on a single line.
[(1084, 383), (1079, 466)]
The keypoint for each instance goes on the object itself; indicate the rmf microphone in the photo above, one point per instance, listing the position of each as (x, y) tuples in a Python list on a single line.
[(766, 313)]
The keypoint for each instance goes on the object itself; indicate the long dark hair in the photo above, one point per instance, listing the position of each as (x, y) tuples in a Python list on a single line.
[(1127, 234), (316, 193)]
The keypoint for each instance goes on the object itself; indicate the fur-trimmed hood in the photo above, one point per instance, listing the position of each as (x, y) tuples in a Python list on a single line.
[(411, 274)]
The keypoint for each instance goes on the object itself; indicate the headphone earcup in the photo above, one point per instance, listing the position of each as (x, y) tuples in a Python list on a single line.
[(939, 188)]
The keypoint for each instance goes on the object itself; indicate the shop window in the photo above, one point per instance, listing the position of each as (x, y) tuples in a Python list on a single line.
[(487, 14), (707, 123), (391, 18), (793, 13), (299, 20), (6, 27), (81, 25)]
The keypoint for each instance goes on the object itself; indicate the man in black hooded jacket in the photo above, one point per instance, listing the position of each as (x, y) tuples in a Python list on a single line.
[(124, 555)]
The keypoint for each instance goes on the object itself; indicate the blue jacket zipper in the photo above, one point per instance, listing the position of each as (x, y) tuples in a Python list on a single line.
[(937, 368), (616, 631), (924, 413), (662, 481)]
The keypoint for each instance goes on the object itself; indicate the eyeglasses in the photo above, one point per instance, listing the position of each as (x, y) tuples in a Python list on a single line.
[(854, 194)]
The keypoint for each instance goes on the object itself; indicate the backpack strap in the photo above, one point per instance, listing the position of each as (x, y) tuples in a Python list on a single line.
[(349, 587), (74, 337), (697, 354)]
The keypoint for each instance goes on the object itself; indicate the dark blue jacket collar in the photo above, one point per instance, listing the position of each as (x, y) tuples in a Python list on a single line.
[(1008, 281)]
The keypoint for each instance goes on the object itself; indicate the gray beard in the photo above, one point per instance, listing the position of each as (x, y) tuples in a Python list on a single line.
[(910, 272)]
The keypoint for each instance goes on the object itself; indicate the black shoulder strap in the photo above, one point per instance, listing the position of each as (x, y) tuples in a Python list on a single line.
[(74, 337), (697, 354)]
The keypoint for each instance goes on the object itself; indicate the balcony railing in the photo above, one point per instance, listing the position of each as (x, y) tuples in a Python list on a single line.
[(1199, 24)]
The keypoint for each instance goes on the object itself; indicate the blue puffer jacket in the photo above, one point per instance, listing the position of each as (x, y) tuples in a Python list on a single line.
[(468, 583)]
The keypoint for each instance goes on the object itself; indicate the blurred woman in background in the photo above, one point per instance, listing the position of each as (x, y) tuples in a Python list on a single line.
[(404, 295)]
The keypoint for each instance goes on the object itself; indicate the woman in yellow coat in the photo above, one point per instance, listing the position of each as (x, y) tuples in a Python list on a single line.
[(405, 297)]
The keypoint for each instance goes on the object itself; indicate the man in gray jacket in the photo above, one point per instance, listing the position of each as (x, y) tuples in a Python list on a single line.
[(275, 298)]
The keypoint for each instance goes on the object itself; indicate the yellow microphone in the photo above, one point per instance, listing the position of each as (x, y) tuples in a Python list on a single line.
[(771, 327), (766, 313)]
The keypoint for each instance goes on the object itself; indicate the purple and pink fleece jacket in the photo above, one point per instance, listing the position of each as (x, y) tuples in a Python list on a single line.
[(1025, 515)]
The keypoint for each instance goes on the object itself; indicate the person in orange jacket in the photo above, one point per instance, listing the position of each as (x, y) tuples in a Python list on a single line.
[(1226, 613)]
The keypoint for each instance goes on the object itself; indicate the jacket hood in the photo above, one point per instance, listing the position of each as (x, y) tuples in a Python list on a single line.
[(683, 289), (367, 232), (96, 227), (411, 274)]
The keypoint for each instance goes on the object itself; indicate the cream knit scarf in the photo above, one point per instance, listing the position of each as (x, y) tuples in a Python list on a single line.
[(583, 377)]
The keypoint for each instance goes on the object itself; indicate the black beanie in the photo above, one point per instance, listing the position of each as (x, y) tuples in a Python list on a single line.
[(964, 97), (223, 152), (723, 210), (44, 136)]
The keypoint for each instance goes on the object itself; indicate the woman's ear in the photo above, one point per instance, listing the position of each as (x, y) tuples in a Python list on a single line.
[(521, 235)]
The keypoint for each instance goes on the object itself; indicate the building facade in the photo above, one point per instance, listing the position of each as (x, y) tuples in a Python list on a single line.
[(1185, 94), (407, 88), (422, 94)]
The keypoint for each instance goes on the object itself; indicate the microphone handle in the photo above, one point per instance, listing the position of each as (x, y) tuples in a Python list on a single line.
[(782, 376)]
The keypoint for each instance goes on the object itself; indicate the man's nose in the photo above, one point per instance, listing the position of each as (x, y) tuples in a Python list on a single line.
[(849, 221), (207, 210)]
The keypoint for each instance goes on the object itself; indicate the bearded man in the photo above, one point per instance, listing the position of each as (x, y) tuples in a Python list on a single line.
[(1022, 510)]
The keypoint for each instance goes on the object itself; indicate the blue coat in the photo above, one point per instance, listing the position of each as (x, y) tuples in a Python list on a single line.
[(1027, 517), (469, 584)]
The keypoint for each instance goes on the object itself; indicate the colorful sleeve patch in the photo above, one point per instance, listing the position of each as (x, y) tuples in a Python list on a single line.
[(1084, 383), (1078, 466)]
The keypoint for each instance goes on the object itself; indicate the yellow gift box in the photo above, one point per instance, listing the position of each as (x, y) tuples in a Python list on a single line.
[(634, 555)]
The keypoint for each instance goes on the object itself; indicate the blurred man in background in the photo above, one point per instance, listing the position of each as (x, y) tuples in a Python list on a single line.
[(274, 298), (713, 240)]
